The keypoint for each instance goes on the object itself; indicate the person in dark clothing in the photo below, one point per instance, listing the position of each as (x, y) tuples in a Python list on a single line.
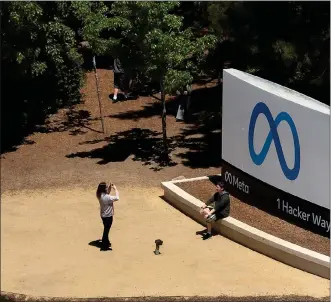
[(120, 80), (217, 207)]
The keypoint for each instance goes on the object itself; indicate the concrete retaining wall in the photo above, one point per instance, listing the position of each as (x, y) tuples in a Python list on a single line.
[(274, 247)]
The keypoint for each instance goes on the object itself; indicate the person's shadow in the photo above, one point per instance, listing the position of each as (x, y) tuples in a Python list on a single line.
[(203, 233), (121, 98), (97, 243)]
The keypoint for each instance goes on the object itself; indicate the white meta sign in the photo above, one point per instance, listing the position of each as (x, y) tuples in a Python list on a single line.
[(276, 135)]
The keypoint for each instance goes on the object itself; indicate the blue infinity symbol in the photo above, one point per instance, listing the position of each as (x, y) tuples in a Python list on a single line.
[(258, 159)]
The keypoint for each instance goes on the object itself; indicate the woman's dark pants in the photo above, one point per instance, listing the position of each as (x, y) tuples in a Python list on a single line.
[(107, 222)]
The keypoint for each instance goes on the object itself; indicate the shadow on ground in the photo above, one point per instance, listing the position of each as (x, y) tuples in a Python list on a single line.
[(143, 144), (75, 121), (201, 143), (146, 146), (198, 145), (148, 111), (215, 179), (203, 101), (98, 244)]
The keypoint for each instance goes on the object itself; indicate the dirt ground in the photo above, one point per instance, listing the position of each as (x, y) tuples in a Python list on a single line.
[(45, 238), (49, 213), (71, 150)]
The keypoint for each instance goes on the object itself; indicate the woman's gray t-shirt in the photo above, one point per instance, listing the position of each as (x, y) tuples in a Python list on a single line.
[(106, 205)]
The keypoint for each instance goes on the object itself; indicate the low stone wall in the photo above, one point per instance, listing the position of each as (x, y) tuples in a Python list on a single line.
[(274, 247)]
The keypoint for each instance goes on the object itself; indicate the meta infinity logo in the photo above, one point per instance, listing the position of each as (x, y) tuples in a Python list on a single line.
[(258, 159)]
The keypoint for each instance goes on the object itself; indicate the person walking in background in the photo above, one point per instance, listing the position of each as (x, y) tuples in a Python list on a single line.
[(120, 80), (217, 207), (106, 210)]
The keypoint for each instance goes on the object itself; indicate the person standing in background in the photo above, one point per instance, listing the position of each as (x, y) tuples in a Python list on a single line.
[(106, 202), (120, 80)]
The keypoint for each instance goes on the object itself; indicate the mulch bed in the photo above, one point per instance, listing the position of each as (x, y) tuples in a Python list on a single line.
[(70, 148), (203, 190)]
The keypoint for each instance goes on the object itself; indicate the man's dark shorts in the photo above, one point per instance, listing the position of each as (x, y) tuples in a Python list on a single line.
[(121, 81)]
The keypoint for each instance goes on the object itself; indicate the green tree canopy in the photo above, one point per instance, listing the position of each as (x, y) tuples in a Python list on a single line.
[(154, 41), (41, 67), (285, 42)]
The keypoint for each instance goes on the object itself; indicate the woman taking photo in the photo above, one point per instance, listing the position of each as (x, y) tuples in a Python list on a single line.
[(106, 210)]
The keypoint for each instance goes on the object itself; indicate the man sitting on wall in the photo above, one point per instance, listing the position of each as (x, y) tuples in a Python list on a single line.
[(217, 207)]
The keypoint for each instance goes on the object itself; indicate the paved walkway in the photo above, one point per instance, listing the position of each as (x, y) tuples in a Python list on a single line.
[(45, 251)]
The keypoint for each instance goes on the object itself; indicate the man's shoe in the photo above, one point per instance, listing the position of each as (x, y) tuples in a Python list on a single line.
[(207, 236), (115, 98), (127, 96), (203, 232)]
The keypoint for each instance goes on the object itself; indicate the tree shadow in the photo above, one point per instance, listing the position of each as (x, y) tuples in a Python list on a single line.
[(145, 89), (148, 111), (207, 99), (199, 142), (202, 135), (143, 144), (203, 142), (102, 62), (203, 80), (75, 121), (14, 147), (203, 101), (215, 179), (146, 146)]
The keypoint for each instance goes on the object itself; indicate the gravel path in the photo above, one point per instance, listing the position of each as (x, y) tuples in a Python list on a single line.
[(45, 251)]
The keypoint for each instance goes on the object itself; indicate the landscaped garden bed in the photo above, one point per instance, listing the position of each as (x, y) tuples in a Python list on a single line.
[(203, 190)]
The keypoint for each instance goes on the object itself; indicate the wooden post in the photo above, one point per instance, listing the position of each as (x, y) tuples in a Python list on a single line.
[(165, 154), (98, 92)]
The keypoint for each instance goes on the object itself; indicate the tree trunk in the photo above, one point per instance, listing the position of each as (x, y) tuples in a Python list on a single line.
[(98, 92), (165, 154)]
